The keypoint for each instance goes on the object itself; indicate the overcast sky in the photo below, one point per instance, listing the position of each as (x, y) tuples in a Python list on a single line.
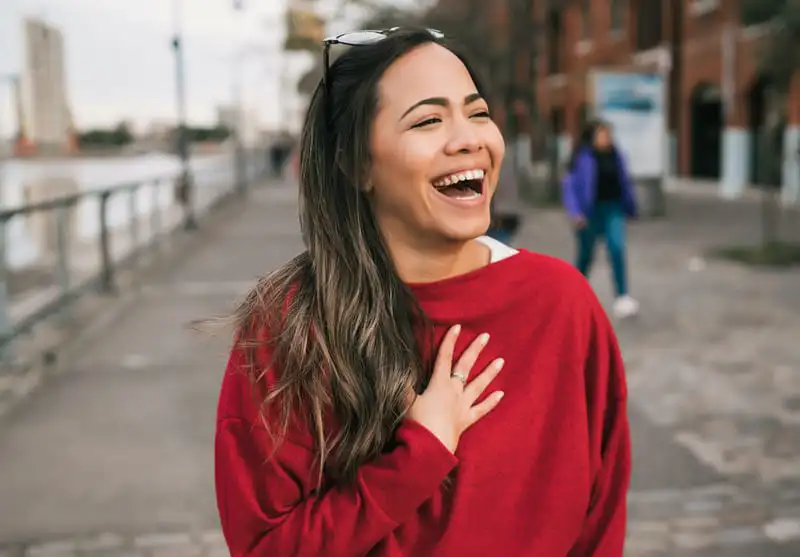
[(119, 64)]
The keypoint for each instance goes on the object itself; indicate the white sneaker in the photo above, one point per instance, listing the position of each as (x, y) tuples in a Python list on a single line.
[(625, 306)]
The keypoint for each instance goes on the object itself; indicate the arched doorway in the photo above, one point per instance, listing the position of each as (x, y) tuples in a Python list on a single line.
[(766, 147), (706, 132)]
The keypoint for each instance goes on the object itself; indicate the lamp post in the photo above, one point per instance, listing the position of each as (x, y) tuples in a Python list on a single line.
[(12, 80), (5, 321), (186, 183), (239, 165)]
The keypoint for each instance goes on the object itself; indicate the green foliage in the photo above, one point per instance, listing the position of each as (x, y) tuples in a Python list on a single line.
[(756, 12), (117, 137), (214, 134), (772, 254), (779, 55)]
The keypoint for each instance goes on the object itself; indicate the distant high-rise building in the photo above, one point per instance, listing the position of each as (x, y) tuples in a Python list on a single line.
[(246, 121), (47, 118)]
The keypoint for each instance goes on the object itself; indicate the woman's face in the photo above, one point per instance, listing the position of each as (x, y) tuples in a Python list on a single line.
[(602, 138), (435, 152)]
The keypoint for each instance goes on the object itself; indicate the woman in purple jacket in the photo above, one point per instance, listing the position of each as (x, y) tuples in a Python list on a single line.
[(599, 196)]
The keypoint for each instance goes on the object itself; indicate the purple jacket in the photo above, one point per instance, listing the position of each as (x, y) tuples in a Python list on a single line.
[(578, 188)]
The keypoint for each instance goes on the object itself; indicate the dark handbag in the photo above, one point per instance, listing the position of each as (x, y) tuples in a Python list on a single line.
[(507, 222)]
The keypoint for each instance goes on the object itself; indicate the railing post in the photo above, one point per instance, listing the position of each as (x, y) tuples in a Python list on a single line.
[(133, 209), (240, 168), (155, 216), (62, 253), (107, 285), (6, 354)]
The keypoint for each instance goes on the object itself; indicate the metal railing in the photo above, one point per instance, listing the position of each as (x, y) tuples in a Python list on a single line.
[(133, 220)]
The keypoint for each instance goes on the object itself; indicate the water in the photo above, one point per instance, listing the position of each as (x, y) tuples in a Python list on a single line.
[(23, 248)]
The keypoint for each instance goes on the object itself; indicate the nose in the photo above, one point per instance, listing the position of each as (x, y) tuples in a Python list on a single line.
[(464, 137)]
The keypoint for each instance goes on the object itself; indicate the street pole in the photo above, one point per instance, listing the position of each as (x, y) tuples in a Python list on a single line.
[(6, 355), (186, 182), (240, 173)]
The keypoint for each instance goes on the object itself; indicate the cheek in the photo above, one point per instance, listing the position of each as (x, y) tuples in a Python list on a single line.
[(403, 170), (496, 145)]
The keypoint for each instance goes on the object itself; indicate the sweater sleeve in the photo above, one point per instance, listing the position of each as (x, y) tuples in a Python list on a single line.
[(569, 193), (603, 532), (267, 500)]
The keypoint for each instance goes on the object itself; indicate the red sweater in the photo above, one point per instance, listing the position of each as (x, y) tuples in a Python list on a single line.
[(545, 474)]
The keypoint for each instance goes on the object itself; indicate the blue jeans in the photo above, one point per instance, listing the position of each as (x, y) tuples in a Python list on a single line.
[(608, 220)]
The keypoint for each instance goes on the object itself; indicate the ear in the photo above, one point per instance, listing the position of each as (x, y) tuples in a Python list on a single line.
[(368, 182)]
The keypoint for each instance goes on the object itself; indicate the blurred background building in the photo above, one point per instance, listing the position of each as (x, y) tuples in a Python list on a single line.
[(45, 116), (708, 52)]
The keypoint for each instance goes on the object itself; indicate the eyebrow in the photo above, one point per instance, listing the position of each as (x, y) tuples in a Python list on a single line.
[(441, 101)]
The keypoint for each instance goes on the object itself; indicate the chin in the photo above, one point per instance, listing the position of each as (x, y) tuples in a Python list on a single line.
[(464, 231)]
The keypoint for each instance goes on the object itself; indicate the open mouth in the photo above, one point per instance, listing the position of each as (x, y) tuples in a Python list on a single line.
[(462, 185)]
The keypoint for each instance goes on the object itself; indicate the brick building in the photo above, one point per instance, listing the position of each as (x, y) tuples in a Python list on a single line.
[(708, 50)]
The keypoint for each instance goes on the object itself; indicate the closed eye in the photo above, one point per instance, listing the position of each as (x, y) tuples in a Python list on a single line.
[(434, 120), (426, 122)]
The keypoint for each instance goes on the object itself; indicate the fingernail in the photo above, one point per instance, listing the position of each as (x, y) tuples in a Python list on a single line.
[(484, 338), (456, 329), (500, 394), (499, 363)]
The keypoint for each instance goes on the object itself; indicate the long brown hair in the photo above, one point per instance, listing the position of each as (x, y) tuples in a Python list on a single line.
[(341, 324)]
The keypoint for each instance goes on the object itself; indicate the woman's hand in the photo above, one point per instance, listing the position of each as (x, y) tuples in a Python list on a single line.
[(447, 407), (579, 223)]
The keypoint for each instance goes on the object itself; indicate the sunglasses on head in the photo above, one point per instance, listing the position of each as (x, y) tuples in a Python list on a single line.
[(359, 38)]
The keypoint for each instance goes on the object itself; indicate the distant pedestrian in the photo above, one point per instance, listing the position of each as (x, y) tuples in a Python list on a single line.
[(599, 196)]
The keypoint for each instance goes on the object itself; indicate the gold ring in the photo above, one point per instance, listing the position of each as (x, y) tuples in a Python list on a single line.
[(459, 377)]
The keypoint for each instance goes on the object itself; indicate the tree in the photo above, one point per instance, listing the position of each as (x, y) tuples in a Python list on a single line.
[(778, 61), (500, 37), (122, 134), (469, 24)]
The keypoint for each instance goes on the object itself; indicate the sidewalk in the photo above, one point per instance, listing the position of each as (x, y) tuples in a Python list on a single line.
[(120, 443), (114, 455), (715, 395)]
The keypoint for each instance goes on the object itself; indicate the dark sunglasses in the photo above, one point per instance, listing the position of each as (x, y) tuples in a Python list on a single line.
[(359, 38)]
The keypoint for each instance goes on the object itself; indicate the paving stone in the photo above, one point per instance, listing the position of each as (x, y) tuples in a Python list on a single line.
[(102, 542), (182, 551), (783, 530), (65, 548), (739, 536), (692, 540), (112, 552), (154, 541)]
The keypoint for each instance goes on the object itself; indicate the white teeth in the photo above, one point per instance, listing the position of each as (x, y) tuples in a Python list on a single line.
[(460, 177)]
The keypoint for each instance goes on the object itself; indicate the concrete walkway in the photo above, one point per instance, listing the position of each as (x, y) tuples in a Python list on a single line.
[(113, 456)]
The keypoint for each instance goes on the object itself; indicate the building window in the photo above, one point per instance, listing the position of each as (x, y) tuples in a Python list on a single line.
[(649, 24), (555, 30), (586, 19), (617, 8)]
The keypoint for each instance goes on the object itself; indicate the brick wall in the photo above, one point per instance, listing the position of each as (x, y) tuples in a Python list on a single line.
[(698, 61)]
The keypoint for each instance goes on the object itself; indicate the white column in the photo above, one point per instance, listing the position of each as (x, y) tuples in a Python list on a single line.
[(735, 161), (791, 165)]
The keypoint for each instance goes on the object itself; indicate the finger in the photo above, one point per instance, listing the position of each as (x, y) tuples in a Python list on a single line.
[(480, 410), (476, 387), (444, 358), (470, 355)]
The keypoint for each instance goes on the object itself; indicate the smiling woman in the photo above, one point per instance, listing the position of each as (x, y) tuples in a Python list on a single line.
[(361, 410)]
